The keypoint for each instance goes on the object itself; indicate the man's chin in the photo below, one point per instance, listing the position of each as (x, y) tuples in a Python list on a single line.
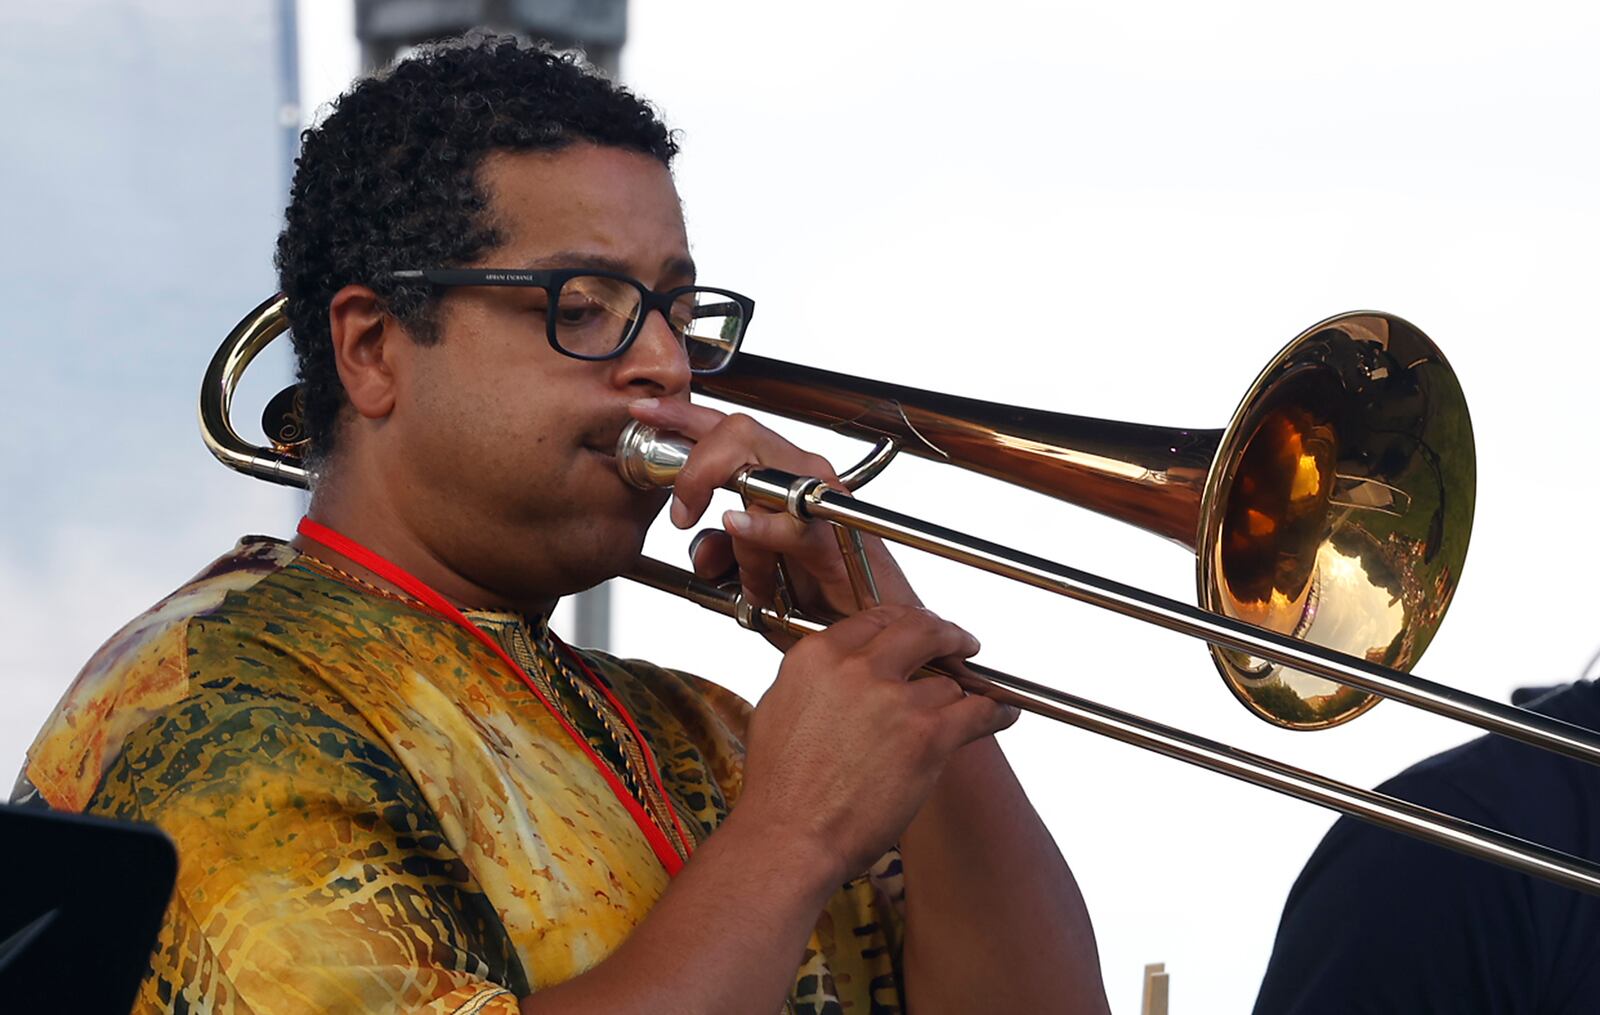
[(612, 552)]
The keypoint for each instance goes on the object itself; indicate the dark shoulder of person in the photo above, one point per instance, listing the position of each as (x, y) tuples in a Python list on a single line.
[(1379, 922)]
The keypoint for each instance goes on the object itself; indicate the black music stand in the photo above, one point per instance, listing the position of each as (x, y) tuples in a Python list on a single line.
[(80, 908)]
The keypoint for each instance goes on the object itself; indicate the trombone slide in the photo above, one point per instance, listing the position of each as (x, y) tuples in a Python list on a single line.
[(646, 458)]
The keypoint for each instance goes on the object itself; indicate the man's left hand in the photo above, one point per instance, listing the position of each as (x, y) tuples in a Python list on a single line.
[(757, 539)]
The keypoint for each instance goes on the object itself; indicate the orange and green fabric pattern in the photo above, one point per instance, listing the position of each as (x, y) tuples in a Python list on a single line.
[(373, 813)]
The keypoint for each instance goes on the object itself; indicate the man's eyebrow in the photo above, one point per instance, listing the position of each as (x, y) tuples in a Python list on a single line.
[(673, 267), (680, 267), (575, 259)]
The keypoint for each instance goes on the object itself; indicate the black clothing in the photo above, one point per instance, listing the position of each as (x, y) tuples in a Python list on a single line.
[(1381, 923)]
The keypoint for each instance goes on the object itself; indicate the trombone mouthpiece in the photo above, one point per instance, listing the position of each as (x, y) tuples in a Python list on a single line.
[(649, 459)]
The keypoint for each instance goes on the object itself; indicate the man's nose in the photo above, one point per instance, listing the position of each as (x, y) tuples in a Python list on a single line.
[(657, 358)]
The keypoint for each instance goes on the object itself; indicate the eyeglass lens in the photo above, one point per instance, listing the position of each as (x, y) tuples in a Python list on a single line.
[(594, 315)]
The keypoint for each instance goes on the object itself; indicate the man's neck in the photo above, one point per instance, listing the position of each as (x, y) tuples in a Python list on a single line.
[(374, 524)]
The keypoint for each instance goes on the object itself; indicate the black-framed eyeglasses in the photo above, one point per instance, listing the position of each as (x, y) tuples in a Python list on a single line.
[(596, 315)]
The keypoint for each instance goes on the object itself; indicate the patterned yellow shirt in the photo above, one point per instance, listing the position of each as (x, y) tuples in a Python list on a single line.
[(374, 814)]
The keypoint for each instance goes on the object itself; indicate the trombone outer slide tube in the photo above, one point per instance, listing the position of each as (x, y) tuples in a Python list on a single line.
[(822, 504), (1367, 805)]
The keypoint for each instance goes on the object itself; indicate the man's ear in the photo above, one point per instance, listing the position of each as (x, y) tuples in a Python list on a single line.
[(366, 344)]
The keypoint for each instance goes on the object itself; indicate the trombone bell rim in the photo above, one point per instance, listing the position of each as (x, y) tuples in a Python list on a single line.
[(1357, 430)]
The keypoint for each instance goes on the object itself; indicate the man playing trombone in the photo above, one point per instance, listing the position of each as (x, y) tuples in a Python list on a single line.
[(393, 788)]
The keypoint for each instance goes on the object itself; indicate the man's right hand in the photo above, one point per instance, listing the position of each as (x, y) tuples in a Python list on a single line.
[(845, 746), (841, 754)]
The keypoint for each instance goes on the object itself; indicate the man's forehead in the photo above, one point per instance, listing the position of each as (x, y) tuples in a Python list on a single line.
[(608, 207)]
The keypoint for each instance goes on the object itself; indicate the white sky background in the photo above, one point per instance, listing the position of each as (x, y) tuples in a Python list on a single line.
[(1123, 210)]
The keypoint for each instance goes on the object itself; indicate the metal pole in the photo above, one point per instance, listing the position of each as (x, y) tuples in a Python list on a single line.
[(289, 113), (288, 86)]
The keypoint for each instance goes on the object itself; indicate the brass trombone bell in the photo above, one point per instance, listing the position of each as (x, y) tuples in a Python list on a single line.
[(1335, 506)]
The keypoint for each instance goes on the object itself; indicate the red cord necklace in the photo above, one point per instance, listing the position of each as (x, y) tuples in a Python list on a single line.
[(419, 590)]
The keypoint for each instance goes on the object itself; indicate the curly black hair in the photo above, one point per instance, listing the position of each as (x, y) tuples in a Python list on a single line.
[(389, 180)]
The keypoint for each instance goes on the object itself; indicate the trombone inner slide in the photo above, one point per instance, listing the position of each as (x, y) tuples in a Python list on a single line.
[(648, 459)]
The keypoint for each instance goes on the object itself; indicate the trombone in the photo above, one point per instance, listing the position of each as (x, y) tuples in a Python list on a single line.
[(1329, 518)]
